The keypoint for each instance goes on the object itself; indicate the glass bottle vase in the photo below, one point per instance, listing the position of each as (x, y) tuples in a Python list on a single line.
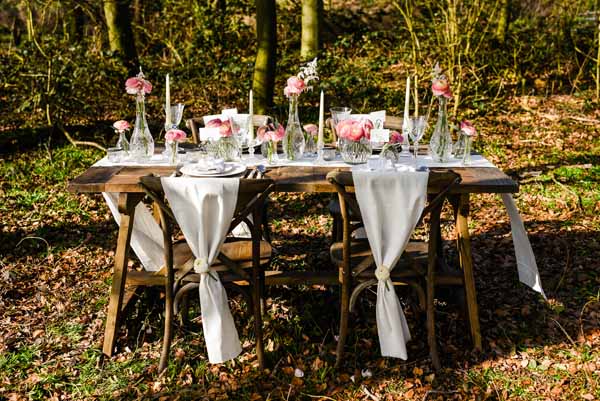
[(440, 145), (269, 151), (122, 142), (141, 145), (293, 141)]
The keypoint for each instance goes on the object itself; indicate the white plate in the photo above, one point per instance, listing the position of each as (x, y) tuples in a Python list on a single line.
[(230, 169)]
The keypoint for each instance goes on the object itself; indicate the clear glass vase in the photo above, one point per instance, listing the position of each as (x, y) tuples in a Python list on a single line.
[(173, 148), (440, 145), (466, 156), (225, 148), (355, 152), (141, 145), (122, 142), (310, 148), (269, 151), (293, 141)]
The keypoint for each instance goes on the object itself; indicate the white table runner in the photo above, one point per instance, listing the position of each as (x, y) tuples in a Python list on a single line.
[(204, 208), (391, 203)]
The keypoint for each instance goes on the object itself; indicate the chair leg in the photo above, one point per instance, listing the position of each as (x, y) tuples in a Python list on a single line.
[(344, 315), (431, 265), (257, 285)]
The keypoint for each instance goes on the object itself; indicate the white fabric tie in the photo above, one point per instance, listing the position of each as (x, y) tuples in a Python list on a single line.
[(382, 273), (201, 266)]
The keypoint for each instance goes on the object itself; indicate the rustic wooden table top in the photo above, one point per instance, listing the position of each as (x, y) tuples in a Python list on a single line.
[(287, 179)]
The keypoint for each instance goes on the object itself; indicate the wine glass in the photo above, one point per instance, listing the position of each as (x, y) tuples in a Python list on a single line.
[(339, 114), (417, 125), (176, 114)]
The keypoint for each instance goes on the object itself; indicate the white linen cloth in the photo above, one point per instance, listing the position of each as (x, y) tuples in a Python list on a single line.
[(391, 203), (526, 264), (146, 235), (204, 208)]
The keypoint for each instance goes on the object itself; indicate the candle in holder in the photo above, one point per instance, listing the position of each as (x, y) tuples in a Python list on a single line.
[(407, 100), (168, 104), (251, 117), (320, 141), (416, 97)]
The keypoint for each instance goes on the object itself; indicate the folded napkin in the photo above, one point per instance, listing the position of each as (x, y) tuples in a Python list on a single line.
[(210, 166), (391, 203)]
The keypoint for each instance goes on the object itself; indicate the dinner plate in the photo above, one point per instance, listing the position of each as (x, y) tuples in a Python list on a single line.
[(230, 169)]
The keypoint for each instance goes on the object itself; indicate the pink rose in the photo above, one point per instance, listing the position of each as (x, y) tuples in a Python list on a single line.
[(225, 128), (396, 137), (271, 132), (440, 87), (121, 125), (138, 84), (215, 123), (312, 129), (468, 128), (295, 86), (353, 130), (175, 135)]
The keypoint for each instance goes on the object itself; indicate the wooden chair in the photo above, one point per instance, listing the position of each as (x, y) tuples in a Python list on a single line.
[(236, 257), (391, 122), (417, 266), (195, 123)]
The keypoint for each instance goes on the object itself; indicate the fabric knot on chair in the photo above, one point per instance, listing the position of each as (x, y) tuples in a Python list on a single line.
[(201, 266), (382, 273)]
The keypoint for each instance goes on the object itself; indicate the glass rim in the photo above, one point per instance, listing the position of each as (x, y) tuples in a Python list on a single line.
[(342, 109)]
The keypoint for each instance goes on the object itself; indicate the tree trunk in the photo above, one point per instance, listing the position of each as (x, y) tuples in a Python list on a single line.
[(311, 26), (264, 66), (120, 34), (503, 18)]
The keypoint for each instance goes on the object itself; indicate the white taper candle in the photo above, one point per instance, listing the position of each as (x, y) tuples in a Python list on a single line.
[(320, 141), (251, 118), (168, 103)]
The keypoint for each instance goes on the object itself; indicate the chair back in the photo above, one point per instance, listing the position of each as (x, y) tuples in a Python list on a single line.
[(440, 183), (195, 123), (252, 194)]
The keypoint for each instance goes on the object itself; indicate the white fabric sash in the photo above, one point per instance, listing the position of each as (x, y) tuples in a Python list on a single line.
[(204, 208), (391, 203), (526, 264), (146, 235)]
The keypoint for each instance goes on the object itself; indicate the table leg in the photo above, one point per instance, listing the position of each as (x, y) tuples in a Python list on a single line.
[(461, 211), (127, 203)]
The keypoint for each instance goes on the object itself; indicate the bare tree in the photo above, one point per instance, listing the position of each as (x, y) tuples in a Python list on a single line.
[(120, 34), (264, 66), (312, 11)]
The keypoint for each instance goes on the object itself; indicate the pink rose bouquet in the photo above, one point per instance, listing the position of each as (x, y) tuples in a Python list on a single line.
[(121, 127), (270, 134), (311, 129), (297, 84), (354, 140), (226, 147), (175, 135), (354, 130)]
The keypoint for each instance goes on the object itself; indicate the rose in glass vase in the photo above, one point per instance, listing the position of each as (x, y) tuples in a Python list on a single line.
[(121, 127), (142, 144), (354, 140), (390, 149), (226, 147), (269, 135), (440, 145), (310, 149), (465, 140), (172, 139), (294, 142)]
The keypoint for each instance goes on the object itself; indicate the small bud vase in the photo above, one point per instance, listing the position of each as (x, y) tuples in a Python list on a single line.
[(142, 144), (440, 145), (355, 152), (293, 141)]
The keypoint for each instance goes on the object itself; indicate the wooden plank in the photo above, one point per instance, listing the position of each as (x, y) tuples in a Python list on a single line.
[(94, 179), (287, 179)]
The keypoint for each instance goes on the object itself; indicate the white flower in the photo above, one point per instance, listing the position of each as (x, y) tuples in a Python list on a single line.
[(298, 373)]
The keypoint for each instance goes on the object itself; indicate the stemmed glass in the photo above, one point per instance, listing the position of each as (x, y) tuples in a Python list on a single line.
[(252, 142), (176, 114), (417, 127)]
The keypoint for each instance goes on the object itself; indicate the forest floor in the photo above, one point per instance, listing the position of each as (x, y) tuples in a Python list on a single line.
[(56, 253)]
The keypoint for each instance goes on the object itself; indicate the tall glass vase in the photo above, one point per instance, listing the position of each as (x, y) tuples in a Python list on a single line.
[(293, 141), (440, 145), (141, 146)]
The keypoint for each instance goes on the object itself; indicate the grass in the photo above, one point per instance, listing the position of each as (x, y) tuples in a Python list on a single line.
[(54, 303)]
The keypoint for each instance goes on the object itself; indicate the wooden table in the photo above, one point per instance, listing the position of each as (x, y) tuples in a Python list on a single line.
[(125, 180)]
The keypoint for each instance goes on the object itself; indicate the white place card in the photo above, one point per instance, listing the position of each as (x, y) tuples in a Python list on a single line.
[(209, 133), (380, 135)]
